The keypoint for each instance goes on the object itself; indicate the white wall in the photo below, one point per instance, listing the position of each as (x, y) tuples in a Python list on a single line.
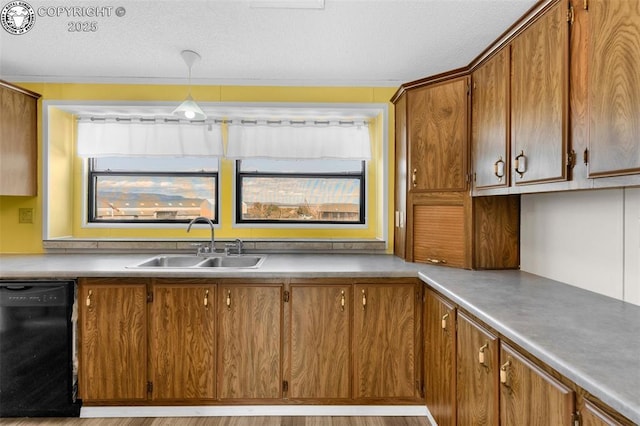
[(589, 239)]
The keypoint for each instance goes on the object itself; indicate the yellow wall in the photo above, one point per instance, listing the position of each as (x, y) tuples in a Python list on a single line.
[(28, 238), (61, 176)]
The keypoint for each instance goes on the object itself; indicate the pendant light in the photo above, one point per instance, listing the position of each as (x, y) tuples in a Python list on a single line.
[(189, 109)]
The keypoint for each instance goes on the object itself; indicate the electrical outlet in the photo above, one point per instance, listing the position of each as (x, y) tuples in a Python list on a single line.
[(25, 215)]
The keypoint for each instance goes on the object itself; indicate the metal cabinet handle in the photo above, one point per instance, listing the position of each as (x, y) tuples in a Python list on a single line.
[(481, 357), (414, 177), (342, 300), (436, 261), (504, 373), (206, 299), (228, 299), (520, 164), (443, 323), (498, 169), (364, 300), (88, 301)]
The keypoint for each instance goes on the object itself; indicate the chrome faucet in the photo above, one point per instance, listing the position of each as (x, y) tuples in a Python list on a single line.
[(235, 246), (205, 249)]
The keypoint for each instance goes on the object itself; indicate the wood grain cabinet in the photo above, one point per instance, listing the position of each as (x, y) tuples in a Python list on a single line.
[(250, 340), (490, 123), (590, 415), (400, 193), (539, 99), (113, 340), (320, 341), (614, 87), (18, 140), (386, 340), (530, 396), (183, 340), (477, 374), (440, 358)]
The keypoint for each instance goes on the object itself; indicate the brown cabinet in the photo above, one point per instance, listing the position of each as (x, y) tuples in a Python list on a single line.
[(590, 415), (539, 99), (440, 358), (183, 339), (385, 340), (113, 339), (530, 396), (320, 341), (437, 117), (18, 140), (490, 122), (614, 87), (477, 374), (250, 340), (400, 213)]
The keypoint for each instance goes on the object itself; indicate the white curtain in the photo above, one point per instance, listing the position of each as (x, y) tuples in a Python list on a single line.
[(286, 140), (130, 138)]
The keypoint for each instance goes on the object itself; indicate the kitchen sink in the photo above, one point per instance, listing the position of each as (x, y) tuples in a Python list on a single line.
[(197, 262)]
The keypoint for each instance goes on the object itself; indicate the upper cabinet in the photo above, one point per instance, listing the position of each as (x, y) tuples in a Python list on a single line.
[(18, 140), (490, 122), (539, 99), (437, 117), (614, 87)]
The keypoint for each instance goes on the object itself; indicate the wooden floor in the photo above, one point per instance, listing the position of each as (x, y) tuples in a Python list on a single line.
[(224, 421)]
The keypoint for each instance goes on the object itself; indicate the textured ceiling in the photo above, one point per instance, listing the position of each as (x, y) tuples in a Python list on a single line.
[(356, 43)]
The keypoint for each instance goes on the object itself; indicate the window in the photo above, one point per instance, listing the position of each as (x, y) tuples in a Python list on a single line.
[(152, 189), (305, 191)]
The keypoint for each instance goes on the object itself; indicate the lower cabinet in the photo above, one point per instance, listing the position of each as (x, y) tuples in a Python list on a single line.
[(590, 415), (182, 340), (250, 340), (477, 374), (440, 358), (530, 396), (113, 339)]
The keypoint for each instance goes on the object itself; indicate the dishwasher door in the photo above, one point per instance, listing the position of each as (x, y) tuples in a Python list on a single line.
[(36, 374)]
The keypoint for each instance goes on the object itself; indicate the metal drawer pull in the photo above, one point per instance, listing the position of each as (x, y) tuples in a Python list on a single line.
[(481, 357), (444, 321), (414, 178), (228, 299), (364, 300), (498, 169), (520, 164), (436, 261), (206, 298), (342, 300), (88, 301), (504, 374)]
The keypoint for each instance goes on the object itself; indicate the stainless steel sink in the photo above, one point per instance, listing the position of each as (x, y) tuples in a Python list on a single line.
[(197, 262)]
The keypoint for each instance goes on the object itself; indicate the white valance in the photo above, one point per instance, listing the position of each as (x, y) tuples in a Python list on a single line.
[(148, 138), (295, 140)]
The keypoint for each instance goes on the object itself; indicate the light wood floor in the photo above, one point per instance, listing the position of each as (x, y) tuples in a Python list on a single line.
[(224, 421)]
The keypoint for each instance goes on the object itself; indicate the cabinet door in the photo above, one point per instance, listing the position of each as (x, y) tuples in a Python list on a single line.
[(437, 131), (320, 341), (590, 415), (384, 341), (18, 144), (113, 339), (490, 122), (183, 340), (614, 87), (249, 341), (440, 358), (477, 380), (399, 235), (529, 396), (539, 99), (439, 234)]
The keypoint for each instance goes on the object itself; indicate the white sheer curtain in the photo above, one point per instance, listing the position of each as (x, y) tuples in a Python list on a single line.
[(291, 140), (130, 138)]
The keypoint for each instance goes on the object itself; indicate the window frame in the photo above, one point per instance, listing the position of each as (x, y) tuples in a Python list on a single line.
[(93, 174), (240, 175)]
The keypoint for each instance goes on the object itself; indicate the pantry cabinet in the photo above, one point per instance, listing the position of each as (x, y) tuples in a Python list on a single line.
[(250, 340), (386, 340), (614, 87), (477, 374), (529, 395), (113, 340), (320, 341), (539, 99), (183, 340), (19, 141), (440, 358), (490, 123)]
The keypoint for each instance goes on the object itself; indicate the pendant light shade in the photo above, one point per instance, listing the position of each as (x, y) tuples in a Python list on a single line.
[(189, 109)]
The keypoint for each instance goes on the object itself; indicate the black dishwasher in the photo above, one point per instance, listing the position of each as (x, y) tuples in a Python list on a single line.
[(36, 349)]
